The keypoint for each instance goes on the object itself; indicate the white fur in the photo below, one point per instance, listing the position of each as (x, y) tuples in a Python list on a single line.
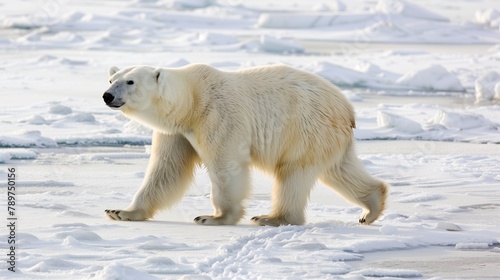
[(292, 124)]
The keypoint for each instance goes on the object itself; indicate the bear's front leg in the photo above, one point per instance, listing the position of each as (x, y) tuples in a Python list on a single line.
[(170, 170), (230, 186)]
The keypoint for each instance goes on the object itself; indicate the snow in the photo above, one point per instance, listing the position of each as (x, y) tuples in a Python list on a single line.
[(488, 87), (406, 9), (271, 44), (398, 122), (434, 77), (489, 17), (423, 78)]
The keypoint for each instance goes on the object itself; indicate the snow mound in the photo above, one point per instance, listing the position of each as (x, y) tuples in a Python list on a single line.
[(209, 38), (331, 6), (27, 139), (388, 230), (403, 8), (80, 118), (400, 123), (52, 264), (308, 20), (80, 235), (119, 271), (177, 63), (381, 272), (448, 226), (4, 157), (420, 197), (339, 75), (488, 87), (60, 109), (277, 45), (35, 120), (21, 154), (461, 121), (192, 4), (489, 17), (434, 77)]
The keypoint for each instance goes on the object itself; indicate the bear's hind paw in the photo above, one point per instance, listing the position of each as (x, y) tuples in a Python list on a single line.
[(210, 220), (265, 220), (368, 217), (113, 214), (122, 215)]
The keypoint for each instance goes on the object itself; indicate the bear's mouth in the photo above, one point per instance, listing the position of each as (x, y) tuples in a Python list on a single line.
[(116, 106)]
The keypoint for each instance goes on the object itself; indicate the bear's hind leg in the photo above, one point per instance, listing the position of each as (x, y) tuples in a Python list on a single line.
[(170, 170), (289, 200), (351, 180)]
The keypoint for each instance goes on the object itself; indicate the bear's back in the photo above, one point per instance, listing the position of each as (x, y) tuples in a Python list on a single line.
[(294, 115)]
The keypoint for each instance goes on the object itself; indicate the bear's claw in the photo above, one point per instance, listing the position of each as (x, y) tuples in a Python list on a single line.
[(113, 214), (200, 220)]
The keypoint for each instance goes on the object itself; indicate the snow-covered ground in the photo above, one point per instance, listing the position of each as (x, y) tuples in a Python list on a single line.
[(422, 75)]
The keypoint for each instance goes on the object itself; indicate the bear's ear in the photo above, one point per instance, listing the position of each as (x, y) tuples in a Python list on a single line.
[(112, 70), (158, 74)]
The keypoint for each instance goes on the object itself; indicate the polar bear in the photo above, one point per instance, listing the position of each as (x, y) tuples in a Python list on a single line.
[(290, 123)]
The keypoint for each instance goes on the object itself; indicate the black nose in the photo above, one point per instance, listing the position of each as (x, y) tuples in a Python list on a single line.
[(108, 97)]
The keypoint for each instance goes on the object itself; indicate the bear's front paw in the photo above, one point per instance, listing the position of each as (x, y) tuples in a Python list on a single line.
[(122, 215)]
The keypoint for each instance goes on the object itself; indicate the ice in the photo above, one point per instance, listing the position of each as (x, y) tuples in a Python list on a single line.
[(434, 77), (472, 246), (216, 39), (272, 44), (20, 154), (448, 226), (489, 17), (398, 122), (404, 8), (331, 6), (340, 75), (308, 20), (461, 121), (26, 139), (192, 4), (5, 157), (488, 87), (400, 273), (422, 76)]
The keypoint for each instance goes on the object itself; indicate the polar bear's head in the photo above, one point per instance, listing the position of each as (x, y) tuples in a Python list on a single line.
[(133, 88), (148, 94)]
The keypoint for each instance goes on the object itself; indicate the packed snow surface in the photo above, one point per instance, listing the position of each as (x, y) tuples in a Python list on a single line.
[(423, 77)]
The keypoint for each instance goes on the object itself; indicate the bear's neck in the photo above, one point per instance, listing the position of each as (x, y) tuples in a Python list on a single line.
[(164, 118)]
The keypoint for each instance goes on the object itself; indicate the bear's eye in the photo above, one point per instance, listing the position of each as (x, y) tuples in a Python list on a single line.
[(130, 82), (110, 82)]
